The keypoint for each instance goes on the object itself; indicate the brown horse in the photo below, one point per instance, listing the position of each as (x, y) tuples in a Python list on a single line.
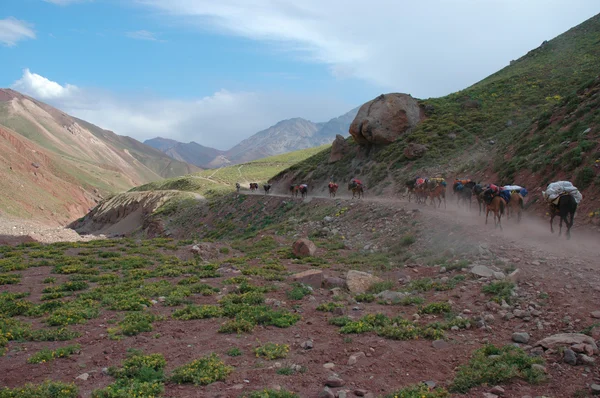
[(294, 190), (478, 193), (438, 191), (332, 189), (567, 206), (253, 186), (516, 204), (357, 189), (421, 193), (496, 204)]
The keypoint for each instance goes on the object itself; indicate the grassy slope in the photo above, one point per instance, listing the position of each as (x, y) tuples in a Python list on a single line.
[(208, 181), (500, 108)]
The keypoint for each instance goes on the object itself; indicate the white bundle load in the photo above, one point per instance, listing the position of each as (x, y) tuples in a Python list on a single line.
[(512, 188), (556, 189)]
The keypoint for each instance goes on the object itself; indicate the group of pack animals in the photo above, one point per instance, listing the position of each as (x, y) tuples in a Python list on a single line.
[(356, 186), (491, 198)]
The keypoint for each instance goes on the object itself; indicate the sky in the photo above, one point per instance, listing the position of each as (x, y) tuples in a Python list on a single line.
[(216, 72)]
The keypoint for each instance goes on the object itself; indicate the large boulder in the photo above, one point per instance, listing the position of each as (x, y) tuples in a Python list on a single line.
[(562, 339), (339, 148), (358, 281), (304, 248), (382, 120), (415, 151), (312, 277)]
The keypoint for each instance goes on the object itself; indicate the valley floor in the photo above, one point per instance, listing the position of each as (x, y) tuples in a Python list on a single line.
[(449, 286)]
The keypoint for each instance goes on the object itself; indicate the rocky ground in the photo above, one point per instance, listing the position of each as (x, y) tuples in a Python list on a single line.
[(520, 286)]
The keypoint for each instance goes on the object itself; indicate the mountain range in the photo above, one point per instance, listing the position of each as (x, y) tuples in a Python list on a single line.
[(55, 167), (285, 136)]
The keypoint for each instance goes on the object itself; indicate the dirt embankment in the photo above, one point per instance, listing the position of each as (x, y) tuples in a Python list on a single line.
[(125, 213)]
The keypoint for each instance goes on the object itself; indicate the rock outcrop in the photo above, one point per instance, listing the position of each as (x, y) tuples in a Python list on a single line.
[(339, 148), (382, 120), (415, 151)]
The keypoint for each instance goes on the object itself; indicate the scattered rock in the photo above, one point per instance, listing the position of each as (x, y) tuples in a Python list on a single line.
[(342, 394), (359, 282), (515, 276), (354, 358), (595, 389), (382, 120), (537, 366), (489, 395), (595, 314), (329, 365), (304, 248), (360, 392), (326, 393), (499, 275), (518, 337), (390, 296), (430, 383), (498, 390), (334, 381), (330, 282), (570, 357), (583, 349), (415, 151), (83, 376), (566, 339), (440, 344), (483, 271), (583, 359), (311, 277), (307, 345)]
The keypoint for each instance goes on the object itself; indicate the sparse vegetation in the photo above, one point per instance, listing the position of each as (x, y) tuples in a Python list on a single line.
[(492, 365), (272, 351), (203, 371)]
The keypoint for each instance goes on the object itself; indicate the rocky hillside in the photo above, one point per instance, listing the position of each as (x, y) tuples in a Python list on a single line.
[(55, 167), (474, 132), (285, 136)]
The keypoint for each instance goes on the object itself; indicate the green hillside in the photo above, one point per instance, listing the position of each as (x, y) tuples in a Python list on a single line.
[(224, 179), (500, 108)]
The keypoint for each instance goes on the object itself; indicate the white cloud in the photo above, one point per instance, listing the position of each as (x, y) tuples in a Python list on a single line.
[(41, 88), (13, 30), (220, 120), (142, 35), (425, 48)]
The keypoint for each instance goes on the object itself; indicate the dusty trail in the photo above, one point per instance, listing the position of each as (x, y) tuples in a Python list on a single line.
[(532, 235)]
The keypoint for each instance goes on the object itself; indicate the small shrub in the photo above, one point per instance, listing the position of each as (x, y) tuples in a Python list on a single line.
[(48, 389), (236, 326), (379, 287), (234, 352), (584, 178), (272, 351), (340, 321), (47, 355), (365, 298), (270, 394), (501, 290), (10, 279), (329, 307), (407, 239), (419, 391), (198, 312), (436, 308), (202, 371), (298, 292), (492, 365)]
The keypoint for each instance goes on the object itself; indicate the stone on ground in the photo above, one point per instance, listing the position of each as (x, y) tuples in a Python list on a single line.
[(311, 277), (304, 248), (359, 282)]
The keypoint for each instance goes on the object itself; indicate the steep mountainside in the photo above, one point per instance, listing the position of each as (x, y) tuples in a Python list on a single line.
[(65, 163), (474, 131), (192, 152), (285, 136)]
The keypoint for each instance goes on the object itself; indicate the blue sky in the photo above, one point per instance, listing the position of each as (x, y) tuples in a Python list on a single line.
[(218, 71)]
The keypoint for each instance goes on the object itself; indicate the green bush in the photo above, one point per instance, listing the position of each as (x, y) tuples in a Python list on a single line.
[(202, 371)]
